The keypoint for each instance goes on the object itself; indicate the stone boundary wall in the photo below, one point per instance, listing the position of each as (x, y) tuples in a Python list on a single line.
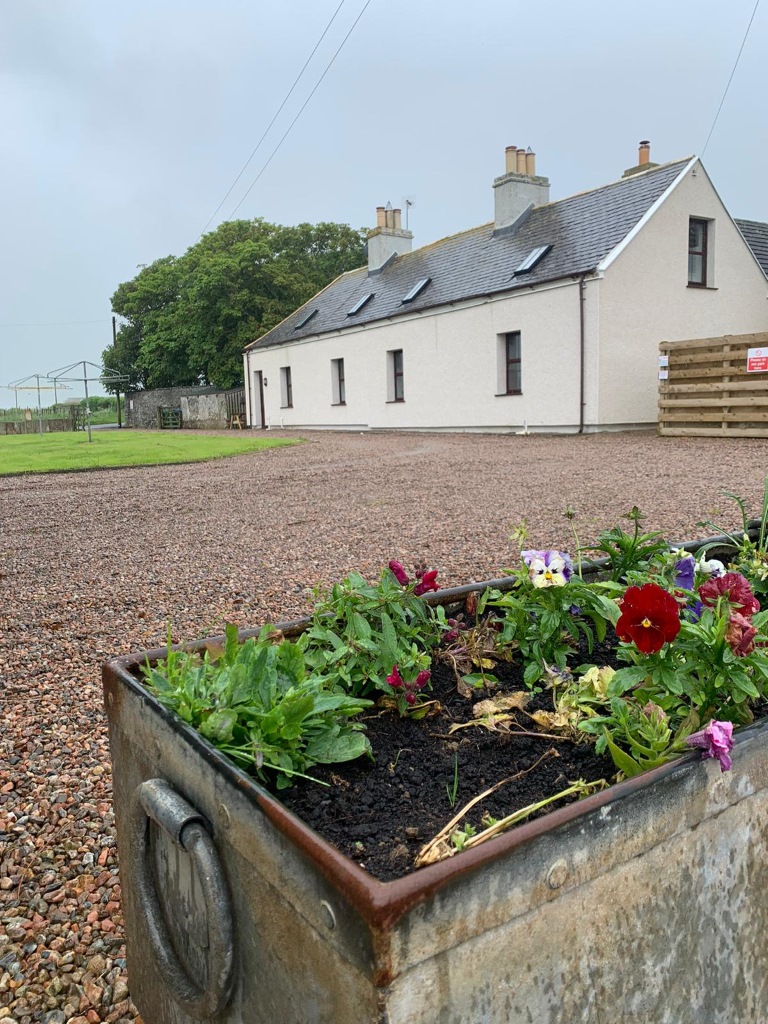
[(201, 408)]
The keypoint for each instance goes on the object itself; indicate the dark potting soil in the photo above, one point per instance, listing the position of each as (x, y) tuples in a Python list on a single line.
[(381, 813)]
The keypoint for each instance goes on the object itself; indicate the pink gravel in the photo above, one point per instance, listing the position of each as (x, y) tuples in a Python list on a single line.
[(96, 564)]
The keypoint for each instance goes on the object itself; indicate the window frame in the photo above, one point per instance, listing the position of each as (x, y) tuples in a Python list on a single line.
[(398, 375), (286, 388), (338, 382), (513, 362), (703, 252), (395, 375)]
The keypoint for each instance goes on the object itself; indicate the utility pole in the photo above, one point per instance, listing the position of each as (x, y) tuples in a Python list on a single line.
[(87, 403), (114, 345)]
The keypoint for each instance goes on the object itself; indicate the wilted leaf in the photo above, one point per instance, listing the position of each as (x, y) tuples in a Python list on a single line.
[(501, 703)]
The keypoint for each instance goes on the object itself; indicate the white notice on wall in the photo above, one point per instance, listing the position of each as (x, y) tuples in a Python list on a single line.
[(663, 374), (663, 360), (131, 405)]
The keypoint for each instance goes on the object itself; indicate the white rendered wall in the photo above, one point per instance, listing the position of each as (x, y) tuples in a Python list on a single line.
[(645, 298), (450, 365)]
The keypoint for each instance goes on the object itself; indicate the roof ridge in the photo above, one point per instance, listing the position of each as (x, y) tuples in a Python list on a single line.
[(618, 181)]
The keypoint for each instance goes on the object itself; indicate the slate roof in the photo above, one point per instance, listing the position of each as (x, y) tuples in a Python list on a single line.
[(582, 230), (756, 236)]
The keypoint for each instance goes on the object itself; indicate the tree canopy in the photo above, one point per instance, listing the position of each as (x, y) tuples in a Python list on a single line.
[(187, 318)]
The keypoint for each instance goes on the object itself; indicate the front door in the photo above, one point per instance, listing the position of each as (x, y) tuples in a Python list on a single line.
[(257, 401)]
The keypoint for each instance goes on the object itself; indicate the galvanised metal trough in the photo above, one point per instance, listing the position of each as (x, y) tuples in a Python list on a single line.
[(646, 903)]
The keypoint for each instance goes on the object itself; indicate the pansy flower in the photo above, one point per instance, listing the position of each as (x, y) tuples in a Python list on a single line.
[(684, 570), (735, 588), (711, 567), (740, 634), (548, 568), (650, 617), (716, 740)]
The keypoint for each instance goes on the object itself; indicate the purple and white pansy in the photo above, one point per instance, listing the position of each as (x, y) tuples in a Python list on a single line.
[(548, 568)]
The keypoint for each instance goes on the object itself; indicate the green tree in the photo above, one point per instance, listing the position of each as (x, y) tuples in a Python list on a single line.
[(187, 319)]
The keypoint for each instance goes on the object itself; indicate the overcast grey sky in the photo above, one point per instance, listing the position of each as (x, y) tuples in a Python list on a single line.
[(125, 125)]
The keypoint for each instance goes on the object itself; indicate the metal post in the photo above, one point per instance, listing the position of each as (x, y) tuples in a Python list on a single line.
[(87, 405), (119, 421), (39, 409)]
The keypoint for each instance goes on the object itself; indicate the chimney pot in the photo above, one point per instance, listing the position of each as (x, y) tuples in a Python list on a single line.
[(644, 155), (520, 157), (510, 159), (530, 162), (380, 214), (396, 213)]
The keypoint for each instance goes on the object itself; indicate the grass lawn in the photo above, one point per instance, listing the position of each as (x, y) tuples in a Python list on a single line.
[(30, 453)]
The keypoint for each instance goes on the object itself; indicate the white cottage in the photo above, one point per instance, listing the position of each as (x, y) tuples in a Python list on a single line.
[(547, 319)]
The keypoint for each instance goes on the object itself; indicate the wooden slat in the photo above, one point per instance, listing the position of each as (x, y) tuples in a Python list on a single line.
[(718, 403), (758, 340), (711, 387), (708, 432)]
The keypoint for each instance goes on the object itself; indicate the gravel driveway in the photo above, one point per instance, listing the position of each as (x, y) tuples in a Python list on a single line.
[(95, 564)]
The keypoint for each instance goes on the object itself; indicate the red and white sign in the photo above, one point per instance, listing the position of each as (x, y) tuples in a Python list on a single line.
[(757, 360)]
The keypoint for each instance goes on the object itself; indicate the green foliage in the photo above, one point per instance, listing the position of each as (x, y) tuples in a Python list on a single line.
[(188, 318), (542, 626), (750, 557), (256, 704), (628, 553), (359, 632), (644, 731)]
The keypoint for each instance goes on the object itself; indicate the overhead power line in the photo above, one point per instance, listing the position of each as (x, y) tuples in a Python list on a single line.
[(733, 72), (276, 115), (59, 323), (303, 107)]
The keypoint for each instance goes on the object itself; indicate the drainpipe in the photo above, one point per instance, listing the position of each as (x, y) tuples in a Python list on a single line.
[(582, 300)]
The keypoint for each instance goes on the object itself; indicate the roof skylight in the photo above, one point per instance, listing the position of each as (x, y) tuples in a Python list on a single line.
[(417, 288), (360, 303), (305, 320), (534, 256)]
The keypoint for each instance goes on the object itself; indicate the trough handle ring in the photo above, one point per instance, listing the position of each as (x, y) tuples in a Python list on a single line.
[(157, 800)]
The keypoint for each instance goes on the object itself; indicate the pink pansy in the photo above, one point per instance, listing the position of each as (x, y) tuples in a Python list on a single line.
[(716, 740)]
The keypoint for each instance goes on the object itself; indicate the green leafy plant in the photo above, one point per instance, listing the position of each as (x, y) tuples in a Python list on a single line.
[(541, 625), (644, 731), (359, 631), (750, 557), (255, 702), (627, 552), (453, 789)]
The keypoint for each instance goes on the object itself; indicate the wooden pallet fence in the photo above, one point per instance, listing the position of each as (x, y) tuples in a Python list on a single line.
[(708, 391)]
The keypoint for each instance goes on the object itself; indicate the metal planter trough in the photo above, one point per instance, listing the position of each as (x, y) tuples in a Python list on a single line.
[(644, 903)]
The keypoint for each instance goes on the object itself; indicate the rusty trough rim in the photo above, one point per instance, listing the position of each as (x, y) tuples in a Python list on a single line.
[(381, 904)]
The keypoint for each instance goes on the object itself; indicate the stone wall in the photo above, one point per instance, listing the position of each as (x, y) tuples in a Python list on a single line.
[(201, 408)]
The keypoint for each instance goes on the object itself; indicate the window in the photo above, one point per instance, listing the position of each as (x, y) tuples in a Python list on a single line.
[(698, 231), (417, 288), (534, 256), (359, 304), (509, 364), (286, 388), (395, 389), (305, 320), (337, 380)]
